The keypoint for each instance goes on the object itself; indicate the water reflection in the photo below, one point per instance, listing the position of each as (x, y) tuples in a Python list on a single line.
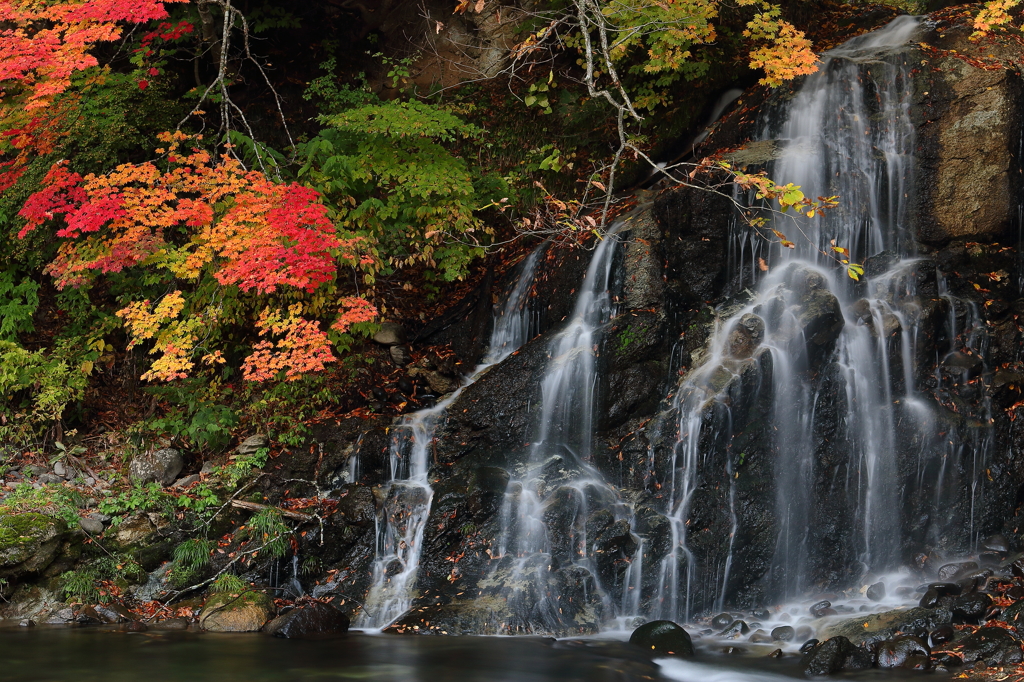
[(99, 655)]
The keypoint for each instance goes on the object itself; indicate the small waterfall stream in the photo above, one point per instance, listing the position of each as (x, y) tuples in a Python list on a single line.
[(408, 495), (547, 549)]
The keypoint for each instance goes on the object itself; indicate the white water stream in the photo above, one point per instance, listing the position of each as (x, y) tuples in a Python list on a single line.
[(408, 495)]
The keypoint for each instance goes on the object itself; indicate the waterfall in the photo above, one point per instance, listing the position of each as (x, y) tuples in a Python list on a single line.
[(408, 495), (547, 549), (830, 359)]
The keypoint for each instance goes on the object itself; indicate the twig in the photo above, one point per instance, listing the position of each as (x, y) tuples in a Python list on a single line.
[(256, 506)]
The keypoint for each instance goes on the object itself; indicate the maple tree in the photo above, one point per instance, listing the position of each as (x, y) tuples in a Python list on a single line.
[(197, 220), (43, 43)]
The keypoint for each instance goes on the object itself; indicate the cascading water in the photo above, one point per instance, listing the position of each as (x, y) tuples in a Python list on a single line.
[(815, 347), (547, 557), (408, 495)]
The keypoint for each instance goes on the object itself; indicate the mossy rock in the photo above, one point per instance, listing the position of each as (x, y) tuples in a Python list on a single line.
[(29, 543), (664, 638), (236, 612)]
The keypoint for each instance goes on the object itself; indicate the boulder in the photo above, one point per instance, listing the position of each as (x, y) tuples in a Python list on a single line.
[(969, 608), (746, 336), (244, 612), (91, 525), (29, 543), (834, 655), (994, 646), (876, 592), (308, 620), (664, 638), (390, 334), (896, 652), (160, 466), (783, 633), (400, 355), (252, 444)]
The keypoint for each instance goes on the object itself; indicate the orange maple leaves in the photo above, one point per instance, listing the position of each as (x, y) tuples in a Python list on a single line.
[(43, 43), (197, 219), (995, 14), (785, 52), (303, 348)]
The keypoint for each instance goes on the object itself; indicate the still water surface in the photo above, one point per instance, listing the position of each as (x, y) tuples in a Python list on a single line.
[(108, 655)]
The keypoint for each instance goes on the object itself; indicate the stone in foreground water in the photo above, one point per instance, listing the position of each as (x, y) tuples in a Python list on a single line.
[(663, 637)]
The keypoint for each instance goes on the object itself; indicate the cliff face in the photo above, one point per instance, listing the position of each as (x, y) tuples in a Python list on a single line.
[(671, 274)]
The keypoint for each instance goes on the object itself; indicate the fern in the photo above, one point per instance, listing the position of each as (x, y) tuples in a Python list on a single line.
[(267, 528), (194, 554), (80, 586), (228, 583)]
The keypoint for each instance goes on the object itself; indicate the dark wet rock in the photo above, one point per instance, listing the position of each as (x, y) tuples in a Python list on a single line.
[(113, 613), (808, 645), (170, 624), (969, 608), (835, 655), (876, 592), (27, 623), (390, 334), (882, 625), (308, 620), (990, 558), (735, 629), (942, 635), (776, 654), (880, 263), (972, 580), (818, 609), (917, 662), (159, 466), (663, 637), (820, 317), (894, 653), (761, 637), (996, 543), (761, 614), (993, 645), (943, 589), (947, 660), (746, 335), (930, 599), (722, 620), (949, 571), (783, 633)]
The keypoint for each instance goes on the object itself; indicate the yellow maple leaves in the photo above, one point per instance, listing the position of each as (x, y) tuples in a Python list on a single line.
[(174, 339)]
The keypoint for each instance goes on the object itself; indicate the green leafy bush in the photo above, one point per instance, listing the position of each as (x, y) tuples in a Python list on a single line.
[(36, 387)]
